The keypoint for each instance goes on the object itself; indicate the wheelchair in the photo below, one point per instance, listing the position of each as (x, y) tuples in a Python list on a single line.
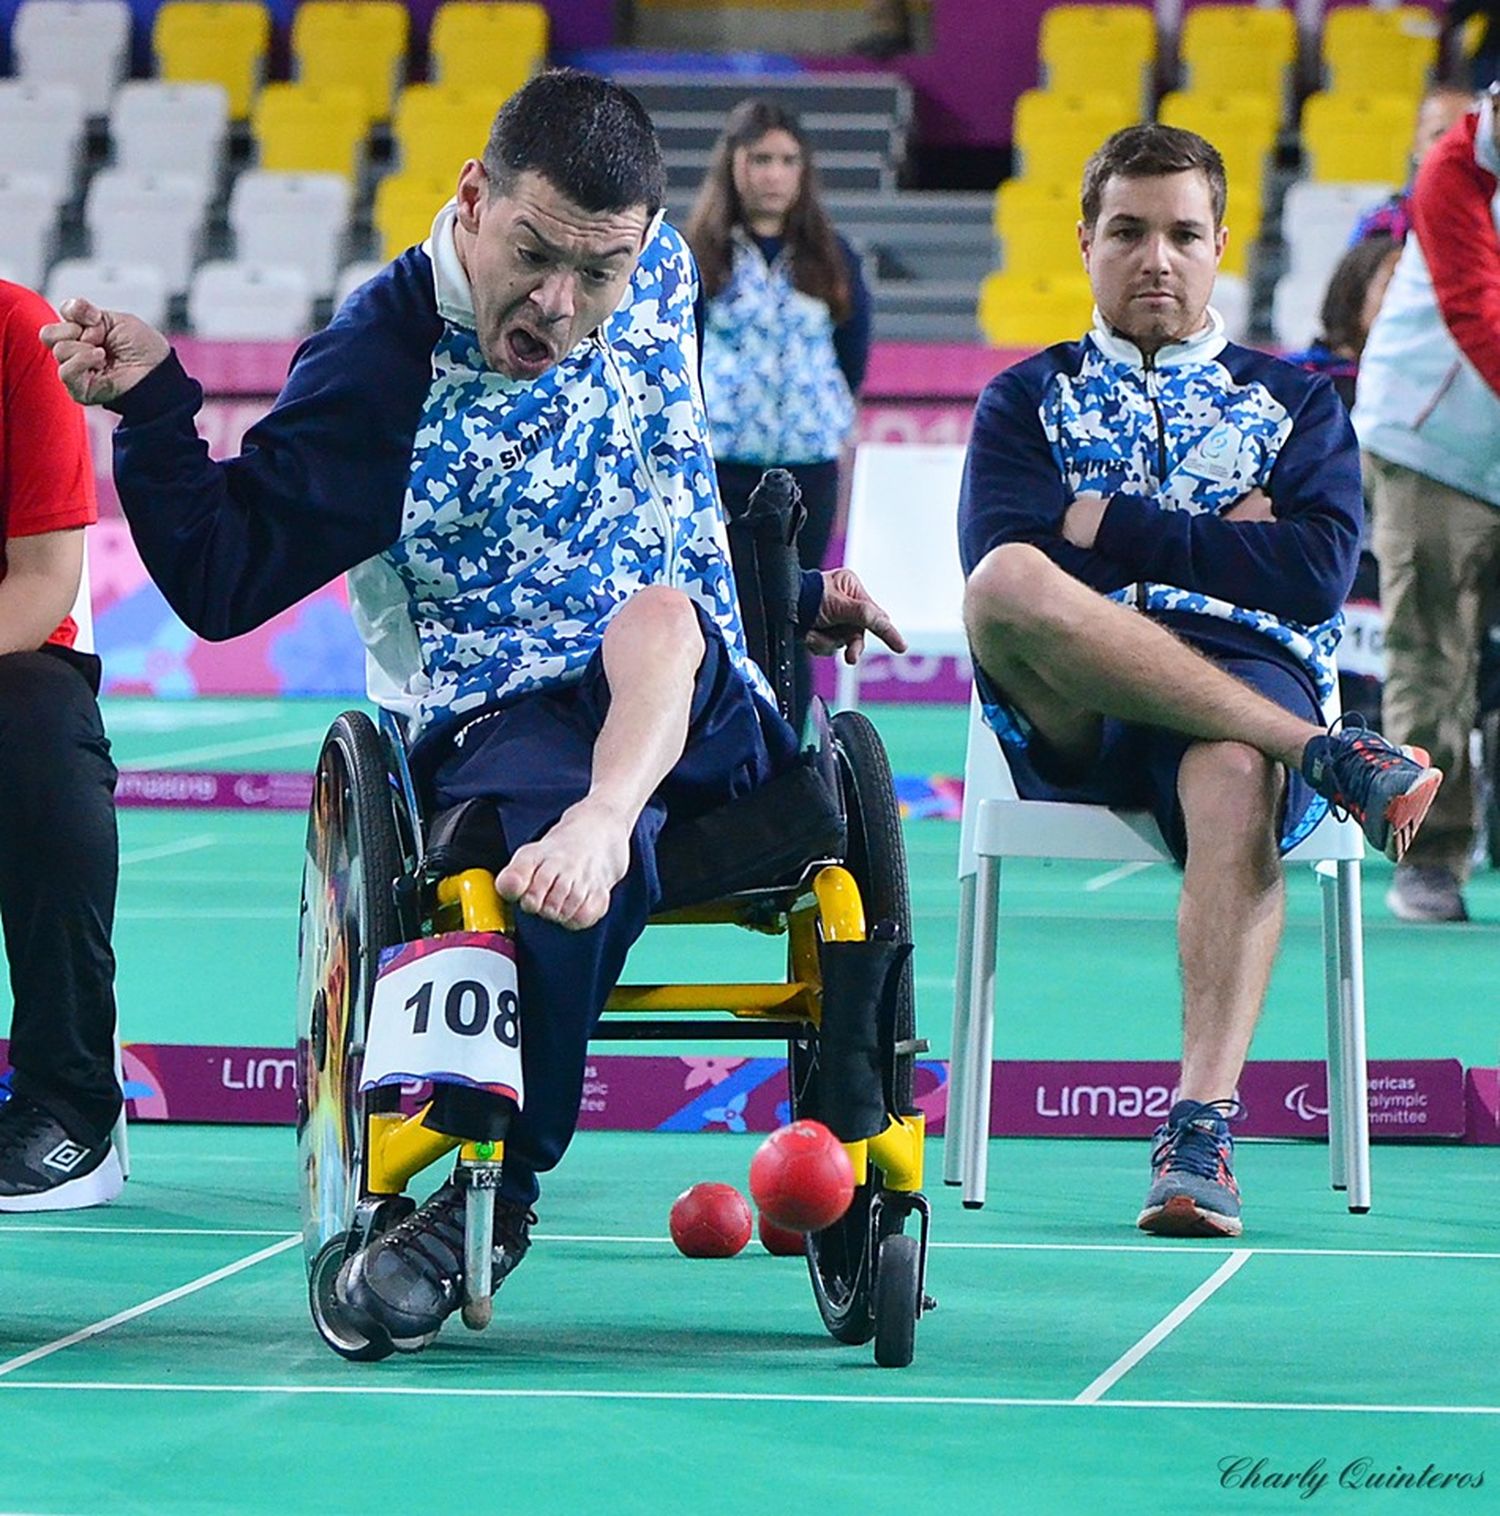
[(816, 856)]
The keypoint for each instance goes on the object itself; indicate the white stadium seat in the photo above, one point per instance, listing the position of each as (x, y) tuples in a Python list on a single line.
[(161, 128), (85, 43), (1231, 298), (135, 287), (28, 217), (147, 218), (291, 218), (352, 275), (242, 301), (1317, 221), (41, 131)]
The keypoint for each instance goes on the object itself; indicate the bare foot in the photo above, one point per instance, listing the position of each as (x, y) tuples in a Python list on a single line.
[(567, 874)]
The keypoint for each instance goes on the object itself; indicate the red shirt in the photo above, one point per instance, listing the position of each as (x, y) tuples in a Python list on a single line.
[(46, 475)]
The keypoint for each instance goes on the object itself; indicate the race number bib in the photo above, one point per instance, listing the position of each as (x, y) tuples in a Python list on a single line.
[(1362, 647), (446, 1009)]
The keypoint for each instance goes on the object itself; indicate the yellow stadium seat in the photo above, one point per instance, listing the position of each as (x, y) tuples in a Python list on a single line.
[(496, 46), (1037, 227), (217, 43), (1238, 49), (436, 129), (1379, 52), (1088, 47), (1243, 128), (1357, 137), (1032, 310), (303, 129), (1055, 134), (405, 205), (359, 46)]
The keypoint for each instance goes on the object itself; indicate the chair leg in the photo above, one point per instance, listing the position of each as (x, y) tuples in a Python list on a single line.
[(1333, 979), (1352, 1037), (120, 1136), (963, 978), (979, 1049)]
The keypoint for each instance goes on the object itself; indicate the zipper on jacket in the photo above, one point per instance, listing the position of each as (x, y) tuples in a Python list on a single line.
[(1148, 362), (655, 496)]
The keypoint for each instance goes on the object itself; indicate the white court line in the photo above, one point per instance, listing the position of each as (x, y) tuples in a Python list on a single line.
[(169, 849), (1114, 876), (120, 1317), (743, 1397), (9, 1234), (1163, 1328), (227, 749)]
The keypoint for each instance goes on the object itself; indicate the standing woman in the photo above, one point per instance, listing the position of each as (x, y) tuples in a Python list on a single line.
[(785, 323)]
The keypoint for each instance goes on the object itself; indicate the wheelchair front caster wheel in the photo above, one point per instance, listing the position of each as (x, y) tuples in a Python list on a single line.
[(896, 1302), (332, 1317), (479, 1313)]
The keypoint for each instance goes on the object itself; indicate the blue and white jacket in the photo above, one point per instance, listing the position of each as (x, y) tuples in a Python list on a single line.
[(776, 393), (1174, 442), (490, 527)]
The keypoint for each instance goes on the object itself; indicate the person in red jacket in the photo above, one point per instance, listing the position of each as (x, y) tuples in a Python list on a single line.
[(58, 846), (1428, 419)]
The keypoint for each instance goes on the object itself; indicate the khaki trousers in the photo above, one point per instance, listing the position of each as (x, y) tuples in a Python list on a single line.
[(1439, 553)]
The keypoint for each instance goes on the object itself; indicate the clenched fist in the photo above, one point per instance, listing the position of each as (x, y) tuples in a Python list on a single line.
[(102, 354)]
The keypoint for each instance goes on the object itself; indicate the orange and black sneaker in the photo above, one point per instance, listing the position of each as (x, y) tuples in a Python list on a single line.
[(1193, 1193), (1386, 789)]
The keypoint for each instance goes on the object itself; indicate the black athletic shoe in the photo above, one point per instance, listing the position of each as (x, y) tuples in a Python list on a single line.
[(1387, 789), (42, 1168), (411, 1279)]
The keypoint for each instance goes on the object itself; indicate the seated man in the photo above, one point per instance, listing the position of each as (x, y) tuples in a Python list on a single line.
[(501, 437), (1159, 529)]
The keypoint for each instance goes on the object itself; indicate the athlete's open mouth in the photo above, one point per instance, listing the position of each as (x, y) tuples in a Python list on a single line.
[(527, 354)]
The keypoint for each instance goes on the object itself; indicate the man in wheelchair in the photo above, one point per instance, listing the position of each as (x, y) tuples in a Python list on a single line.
[(501, 439)]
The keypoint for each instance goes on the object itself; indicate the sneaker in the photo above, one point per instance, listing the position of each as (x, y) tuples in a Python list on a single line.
[(1387, 789), (1420, 892), (42, 1168), (411, 1279), (1193, 1193)]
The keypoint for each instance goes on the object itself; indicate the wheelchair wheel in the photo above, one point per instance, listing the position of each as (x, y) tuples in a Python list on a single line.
[(898, 1280), (330, 1318), (348, 915), (841, 1258)]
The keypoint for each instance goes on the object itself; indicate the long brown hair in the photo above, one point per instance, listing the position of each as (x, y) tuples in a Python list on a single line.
[(818, 266)]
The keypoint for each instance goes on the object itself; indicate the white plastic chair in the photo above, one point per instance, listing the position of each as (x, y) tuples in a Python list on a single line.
[(163, 128), (294, 219), (80, 42), (147, 218), (997, 825), (41, 131), (139, 288), (28, 217), (245, 301), (902, 541)]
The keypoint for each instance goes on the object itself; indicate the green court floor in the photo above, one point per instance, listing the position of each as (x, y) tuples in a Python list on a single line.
[(157, 1357)]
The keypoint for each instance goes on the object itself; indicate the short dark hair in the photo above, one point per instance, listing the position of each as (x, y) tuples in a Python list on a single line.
[(1152, 151), (590, 138), (1344, 299)]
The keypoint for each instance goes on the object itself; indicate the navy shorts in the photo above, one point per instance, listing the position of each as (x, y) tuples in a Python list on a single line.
[(1137, 766), (533, 756)]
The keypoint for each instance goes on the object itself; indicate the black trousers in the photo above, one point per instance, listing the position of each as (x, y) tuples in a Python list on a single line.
[(819, 483), (59, 866)]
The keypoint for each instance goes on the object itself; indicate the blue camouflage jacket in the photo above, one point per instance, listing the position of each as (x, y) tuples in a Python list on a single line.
[(1174, 442), (490, 527)]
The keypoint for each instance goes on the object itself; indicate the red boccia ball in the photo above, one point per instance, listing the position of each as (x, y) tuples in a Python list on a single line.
[(710, 1221), (801, 1177), (780, 1241)]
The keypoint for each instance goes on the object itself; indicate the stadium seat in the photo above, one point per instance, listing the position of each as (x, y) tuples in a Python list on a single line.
[(1238, 49), (436, 128), (1347, 137), (1317, 221), (307, 129), (146, 218), (41, 132), (1379, 50), (492, 47), (1036, 226), (28, 219), (234, 301), (220, 41), (134, 286), (1231, 298), (85, 43), (1034, 310), (405, 205), (1241, 126), (1055, 133), (162, 128), (338, 44), (1297, 309), (296, 219), (352, 275), (1089, 47)]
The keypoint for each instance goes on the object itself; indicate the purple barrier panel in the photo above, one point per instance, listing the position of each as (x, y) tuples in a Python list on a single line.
[(194, 790), (1282, 1098), (1482, 1092)]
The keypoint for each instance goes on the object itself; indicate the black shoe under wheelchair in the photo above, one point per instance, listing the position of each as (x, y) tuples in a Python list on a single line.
[(816, 855)]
